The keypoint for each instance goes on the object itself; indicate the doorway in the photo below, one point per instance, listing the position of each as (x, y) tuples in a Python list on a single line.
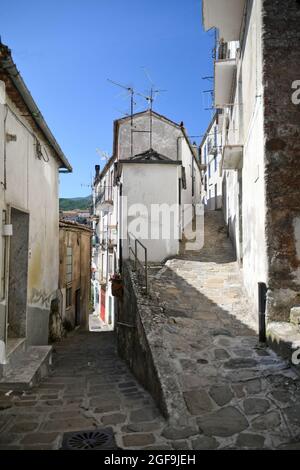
[(18, 274), (77, 308)]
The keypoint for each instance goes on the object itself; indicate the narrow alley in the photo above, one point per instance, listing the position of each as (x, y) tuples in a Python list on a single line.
[(89, 387)]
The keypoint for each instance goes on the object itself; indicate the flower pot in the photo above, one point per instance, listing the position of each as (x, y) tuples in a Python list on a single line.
[(117, 288)]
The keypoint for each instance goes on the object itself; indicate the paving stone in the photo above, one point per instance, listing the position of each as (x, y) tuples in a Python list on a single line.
[(293, 414), (221, 332), (142, 427), (205, 443), (202, 361), (197, 401), (40, 438), (256, 405), (180, 445), (268, 421), (221, 354), (250, 440), (138, 440), (176, 432), (253, 386), (23, 427), (115, 418), (65, 414), (69, 424), (221, 394), (238, 390), (284, 396), (127, 384), (99, 402), (240, 363), (290, 446), (107, 407), (224, 422), (143, 414)]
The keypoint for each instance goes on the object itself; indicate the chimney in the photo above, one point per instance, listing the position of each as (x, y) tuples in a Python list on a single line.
[(97, 170)]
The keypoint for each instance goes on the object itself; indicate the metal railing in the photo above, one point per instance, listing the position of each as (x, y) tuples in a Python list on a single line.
[(138, 263)]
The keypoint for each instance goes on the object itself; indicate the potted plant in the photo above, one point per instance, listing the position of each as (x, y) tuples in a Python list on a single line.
[(116, 285)]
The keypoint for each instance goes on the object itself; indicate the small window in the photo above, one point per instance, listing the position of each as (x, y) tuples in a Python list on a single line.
[(183, 179), (69, 264), (68, 297), (110, 264)]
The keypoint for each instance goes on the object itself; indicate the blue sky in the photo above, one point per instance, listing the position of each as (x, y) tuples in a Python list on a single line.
[(67, 49)]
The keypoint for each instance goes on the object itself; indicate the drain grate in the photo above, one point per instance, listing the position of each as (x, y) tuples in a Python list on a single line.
[(95, 439)]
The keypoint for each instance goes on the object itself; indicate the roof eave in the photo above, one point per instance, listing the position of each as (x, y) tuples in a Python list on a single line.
[(17, 80)]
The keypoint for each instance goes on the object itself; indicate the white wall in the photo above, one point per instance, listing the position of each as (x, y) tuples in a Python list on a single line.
[(32, 185), (149, 184), (246, 128)]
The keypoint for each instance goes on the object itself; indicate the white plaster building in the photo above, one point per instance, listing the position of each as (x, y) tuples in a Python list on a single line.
[(104, 252), (30, 160), (211, 156), (150, 176)]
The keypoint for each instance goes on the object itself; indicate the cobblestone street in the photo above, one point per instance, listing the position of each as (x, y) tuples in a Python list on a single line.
[(236, 393), (89, 387)]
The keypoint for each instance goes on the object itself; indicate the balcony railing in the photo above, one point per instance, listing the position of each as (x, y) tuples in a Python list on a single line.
[(140, 265), (105, 195)]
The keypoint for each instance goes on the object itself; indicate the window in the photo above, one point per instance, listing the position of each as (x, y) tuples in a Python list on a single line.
[(209, 170), (69, 263), (110, 264), (102, 266), (68, 297), (216, 163)]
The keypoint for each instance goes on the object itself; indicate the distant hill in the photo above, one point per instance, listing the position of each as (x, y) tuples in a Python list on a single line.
[(69, 204)]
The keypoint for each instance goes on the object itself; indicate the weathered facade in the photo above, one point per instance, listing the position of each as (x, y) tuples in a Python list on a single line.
[(30, 159), (138, 177), (257, 64), (211, 155), (74, 275)]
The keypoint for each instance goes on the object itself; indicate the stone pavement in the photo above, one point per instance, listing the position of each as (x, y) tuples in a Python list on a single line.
[(236, 393), (89, 387)]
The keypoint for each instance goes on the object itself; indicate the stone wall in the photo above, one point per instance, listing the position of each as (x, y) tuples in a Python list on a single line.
[(281, 67), (133, 329)]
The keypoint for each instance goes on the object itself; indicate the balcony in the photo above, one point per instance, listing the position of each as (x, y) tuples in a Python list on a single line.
[(226, 15), (224, 74), (232, 157), (104, 199), (211, 148)]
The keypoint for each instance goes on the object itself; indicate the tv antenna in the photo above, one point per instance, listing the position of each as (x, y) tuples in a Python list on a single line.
[(131, 92), (150, 99), (103, 155)]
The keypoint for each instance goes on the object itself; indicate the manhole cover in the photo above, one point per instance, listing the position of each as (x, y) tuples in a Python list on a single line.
[(95, 439)]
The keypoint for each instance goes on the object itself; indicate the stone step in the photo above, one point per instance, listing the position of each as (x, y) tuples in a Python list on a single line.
[(15, 348), (28, 369), (284, 338)]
